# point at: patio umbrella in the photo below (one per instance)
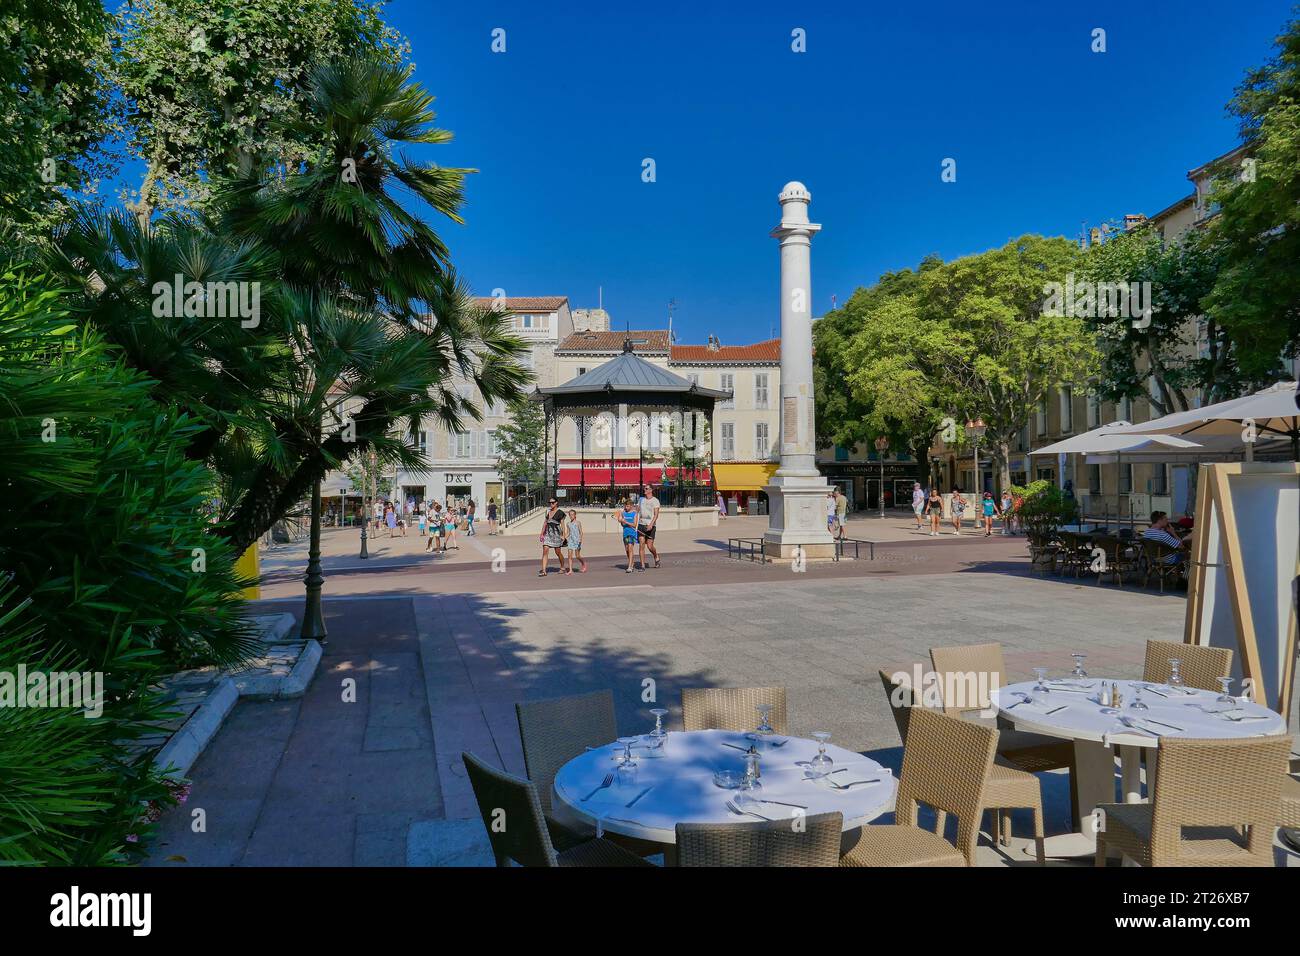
(1272, 410)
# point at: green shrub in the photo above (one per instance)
(1044, 506)
(102, 515)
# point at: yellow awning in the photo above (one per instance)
(744, 476)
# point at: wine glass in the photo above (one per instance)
(659, 713)
(1175, 674)
(627, 761)
(1078, 665)
(1225, 698)
(1041, 686)
(1136, 703)
(821, 764)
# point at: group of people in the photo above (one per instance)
(929, 506)
(562, 533)
(1171, 534)
(443, 524)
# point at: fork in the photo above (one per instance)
(609, 778)
(731, 805)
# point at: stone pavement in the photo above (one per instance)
(377, 779)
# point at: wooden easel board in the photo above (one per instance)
(1245, 558)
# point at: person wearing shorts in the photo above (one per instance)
(990, 509)
(627, 518)
(574, 543)
(830, 512)
(649, 517)
(918, 503)
(958, 510)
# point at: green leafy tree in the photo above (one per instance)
(220, 90)
(55, 115)
(1256, 293)
(1162, 347)
(521, 444)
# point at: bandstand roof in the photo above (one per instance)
(625, 379)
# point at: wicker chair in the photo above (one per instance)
(731, 708)
(1120, 557)
(1008, 787)
(946, 765)
(1030, 752)
(1290, 803)
(1075, 553)
(1202, 666)
(1043, 546)
(1154, 555)
(777, 843)
(512, 814)
(1220, 785)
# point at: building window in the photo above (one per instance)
(493, 446)
(693, 378)
(1125, 479)
(1067, 410)
(1040, 418)
(1124, 408)
(1094, 479)
(728, 430)
(760, 390)
(1094, 410)
(418, 440)
(461, 445)
(1160, 479)
(762, 444)
(841, 453)
(528, 359)
(582, 370)
(533, 322)
(727, 382)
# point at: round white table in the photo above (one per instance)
(678, 786)
(1070, 710)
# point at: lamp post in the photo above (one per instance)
(975, 431)
(882, 446)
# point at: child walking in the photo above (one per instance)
(627, 518)
(575, 543)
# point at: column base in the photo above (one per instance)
(797, 518)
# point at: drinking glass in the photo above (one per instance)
(1136, 703)
(1041, 674)
(745, 797)
(764, 714)
(1225, 697)
(1175, 674)
(821, 764)
(1078, 665)
(660, 713)
(627, 761)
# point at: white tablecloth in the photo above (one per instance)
(1083, 718)
(682, 788)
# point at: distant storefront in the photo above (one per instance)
(861, 482)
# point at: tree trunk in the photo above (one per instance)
(1002, 455)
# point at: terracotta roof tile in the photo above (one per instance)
(643, 340)
(526, 303)
(769, 351)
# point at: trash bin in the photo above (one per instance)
(733, 506)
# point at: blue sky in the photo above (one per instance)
(1046, 135)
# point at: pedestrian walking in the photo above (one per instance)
(841, 509)
(552, 536)
(627, 518)
(990, 509)
(830, 512)
(390, 519)
(449, 528)
(469, 518)
(574, 539)
(722, 506)
(918, 503)
(649, 514)
(934, 508)
(492, 516)
(435, 530)
(1007, 511)
(958, 505)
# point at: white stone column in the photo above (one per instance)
(797, 495)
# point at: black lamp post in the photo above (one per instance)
(882, 446)
(313, 623)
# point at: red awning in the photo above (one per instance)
(625, 473)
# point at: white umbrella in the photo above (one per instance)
(1109, 439)
(1272, 411)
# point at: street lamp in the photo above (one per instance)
(975, 431)
(882, 446)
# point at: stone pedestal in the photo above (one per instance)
(797, 494)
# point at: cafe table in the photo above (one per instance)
(1070, 709)
(675, 784)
